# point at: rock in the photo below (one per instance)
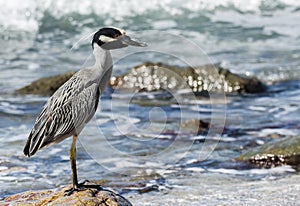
(57, 197)
(160, 77)
(46, 86)
(200, 126)
(275, 153)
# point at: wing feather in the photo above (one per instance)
(70, 107)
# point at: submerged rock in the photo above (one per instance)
(156, 76)
(57, 197)
(46, 86)
(275, 153)
(200, 126)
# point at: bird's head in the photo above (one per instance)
(113, 38)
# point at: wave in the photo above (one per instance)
(30, 14)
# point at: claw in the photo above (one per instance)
(82, 187)
(70, 191)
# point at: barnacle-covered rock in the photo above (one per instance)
(151, 77)
(275, 153)
(157, 76)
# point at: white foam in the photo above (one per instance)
(216, 138)
(19, 16)
(164, 24)
(195, 169)
(280, 131)
(257, 108)
(272, 171)
(3, 168)
(9, 108)
(26, 16)
(7, 178)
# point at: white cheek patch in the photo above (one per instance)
(106, 39)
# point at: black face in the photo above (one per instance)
(108, 32)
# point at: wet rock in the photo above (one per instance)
(143, 183)
(151, 77)
(46, 86)
(275, 153)
(200, 126)
(160, 77)
(57, 197)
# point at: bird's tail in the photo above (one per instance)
(34, 142)
(27, 148)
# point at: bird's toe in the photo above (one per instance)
(81, 187)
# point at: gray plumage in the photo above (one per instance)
(72, 106)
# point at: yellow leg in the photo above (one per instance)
(73, 162)
(76, 186)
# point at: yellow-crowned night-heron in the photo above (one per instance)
(70, 108)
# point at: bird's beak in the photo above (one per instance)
(128, 41)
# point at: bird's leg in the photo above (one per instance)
(73, 167)
(76, 186)
(73, 162)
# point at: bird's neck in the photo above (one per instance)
(103, 58)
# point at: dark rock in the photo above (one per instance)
(46, 86)
(142, 183)
(275, 153)
(57, 197)
(200, 126)
(160, 77)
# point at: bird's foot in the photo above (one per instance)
(81, 187)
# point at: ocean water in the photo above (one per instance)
(134, 146)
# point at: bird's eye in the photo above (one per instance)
(116, 35)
